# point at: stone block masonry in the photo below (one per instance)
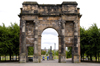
(35, 18)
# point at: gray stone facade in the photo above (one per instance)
(64, 18)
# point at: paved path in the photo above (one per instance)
(56, 61)
(50, 63)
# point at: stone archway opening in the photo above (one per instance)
(64, 18)
(68, 54)
(49, 37)
(30, 53)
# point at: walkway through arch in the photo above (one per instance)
(50, 38)
(64, 18)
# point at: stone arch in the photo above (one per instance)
(54, 33)
(52, 28)
(49, 16)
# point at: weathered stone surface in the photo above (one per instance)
(30, 28)
(64, 18)
(27, 17)
(69, 41)
(22, 58)
(29, 40)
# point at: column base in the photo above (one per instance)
(36, 59)
(62, 59)
(22, 58)
(76, 59)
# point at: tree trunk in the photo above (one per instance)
(0, 57)
(90, 57)
(83, 57)
(5, 57)
(10, 57)
(95, 57)
(87, 58)
(98, 56)
(16, 57)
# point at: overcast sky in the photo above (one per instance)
(90, 10)
(49, 38)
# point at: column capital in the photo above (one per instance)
(75, 21)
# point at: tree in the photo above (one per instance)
(69, 52)
(95, 34)
(83, 35)
(43, 52)
(30, 50)
(9, 40)
(13, 38)
(90, 42)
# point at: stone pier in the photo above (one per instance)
(35, 18)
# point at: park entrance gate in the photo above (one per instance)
(64, 18)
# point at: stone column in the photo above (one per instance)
(39, 48)
(75, 48)
(22, 50)
(35, 56)
(59, 49)
(62, 55)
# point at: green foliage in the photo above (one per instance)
(30, 50)
(56, 53)
(43, 52)
(90, 41)
(69, 52)
(9, 40)
(47, 53)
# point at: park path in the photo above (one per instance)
(56, 61)
(50, 63)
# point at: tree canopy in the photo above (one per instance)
(90, 42)
(9, 40)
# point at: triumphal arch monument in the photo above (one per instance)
(64, 18)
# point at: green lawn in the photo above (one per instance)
(8, 57)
